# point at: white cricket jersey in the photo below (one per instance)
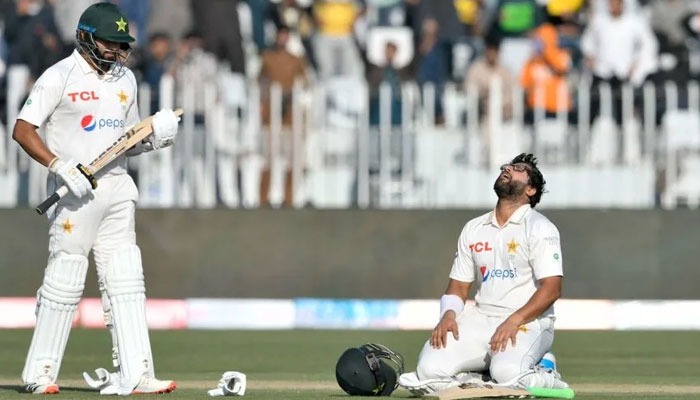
(80, 112)
(506, 262)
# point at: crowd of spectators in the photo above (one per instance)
(533, 43)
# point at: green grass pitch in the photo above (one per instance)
(299, 364)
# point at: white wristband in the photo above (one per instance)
(451, 302)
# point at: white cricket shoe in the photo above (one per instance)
(149, 385)
(108, 384)
(547, 367)
(417, 387)
(39, 388)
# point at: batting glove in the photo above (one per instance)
(164, 125)
(76, 176)
(232, 383)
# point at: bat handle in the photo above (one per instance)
(51, 200)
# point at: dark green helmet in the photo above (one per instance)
(369, 370)
(105, 21)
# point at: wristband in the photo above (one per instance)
(52, 162)
(451, 302)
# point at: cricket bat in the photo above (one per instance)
(467, 391)
(128, 140)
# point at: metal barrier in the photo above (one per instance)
(329, 145)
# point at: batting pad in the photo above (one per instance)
(126, 294)
(57, 300)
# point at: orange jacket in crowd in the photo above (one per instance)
(544, 75)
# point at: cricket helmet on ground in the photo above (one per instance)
(369, 370)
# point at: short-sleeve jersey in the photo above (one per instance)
(506, 262)
(81, 113)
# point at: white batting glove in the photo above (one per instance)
(78, 178)
(164, 125)
(232, 383)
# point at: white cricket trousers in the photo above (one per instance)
(102, 221)
(472, 351)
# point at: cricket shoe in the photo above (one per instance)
(547, 368)
(39, 388)
(149, 385)
(417, 387)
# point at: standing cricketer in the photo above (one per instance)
(513, 257)
(83, 104)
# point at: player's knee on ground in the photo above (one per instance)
(432, 364)
(505, 372)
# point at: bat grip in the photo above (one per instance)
(51, 200)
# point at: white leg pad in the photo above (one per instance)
(126, 293)
(57, 300)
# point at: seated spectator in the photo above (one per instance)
(298, 19)
(544, 77)
(481, 75)
(387, 74)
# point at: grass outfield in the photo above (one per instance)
(300, 364)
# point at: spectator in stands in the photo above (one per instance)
(218, 22)
(544, 77)
(514, 18)
(569, 18)
(389, 74)
(335, 48)
(298, 19)
(483, 73)
(155, 63)
(281, 67)
(619, 47)
(258, 14)
(193, 66)
(32, 36)
(432, 64)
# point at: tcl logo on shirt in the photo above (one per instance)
(84, 96)
(89, 123)
(497, 273)
(478, 247)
